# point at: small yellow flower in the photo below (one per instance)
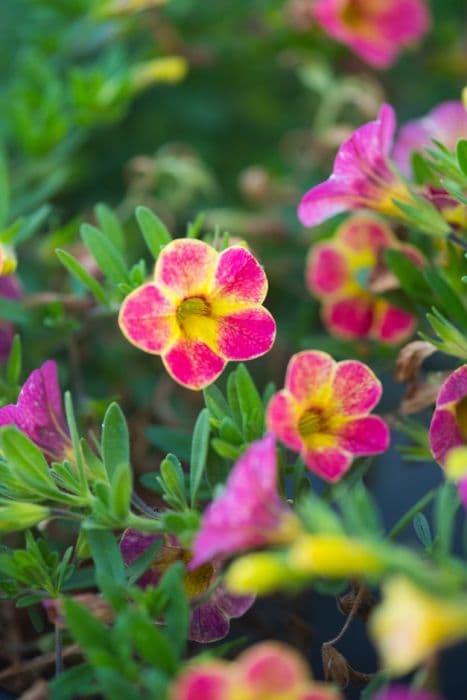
(169, 69)
(455, 466)
(410, 624)
(8, 260)
(259, 573)
(335, 556)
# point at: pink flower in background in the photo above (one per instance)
(249, 513)
(446, 123)
(202, 309)
(322, 413)
(38, 413)
(403, 692)
(361, 178)
(10, 288)
(210, 619)
(448, 426)
(265, 671)
(343, 272)
(376, 30)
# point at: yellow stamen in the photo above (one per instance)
(193, 306)
(310, 422)
(461, 416)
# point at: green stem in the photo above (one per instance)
(409, 516)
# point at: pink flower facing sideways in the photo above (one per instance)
(342, 272)
(448, 428)
(202, 309)
(210, 618)
(322, 413)
(38, 413)
(266, 671)
(249, 513)
(361, 178)
(376, 30)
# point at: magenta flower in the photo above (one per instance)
(265, 671)
(202, 309)
(448, 426)
(342, 271)
(210, 619)
(249, 513)
(38, 413)
(322, 413)
(446, 123)
(375, 30)
(10, 288)
(402, 692)
(361, 178)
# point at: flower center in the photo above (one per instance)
(310, 422)
(197, 582)
(461, 417)
(354, 14)
(193, 306)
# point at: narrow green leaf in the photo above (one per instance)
(149, 641)
(122, 486)
(422, 530)
(461, 153)
(154, 231)
(4, 188)
(251, 405)
(226, 450)
(82, 275)
(409, 275)
(26, 460)
(447, 298)
(107, 556)
(177, 613)
(105, 254)
(215, 402)
(115, 440)
(13, 367)
(111, 226)
(199, 453)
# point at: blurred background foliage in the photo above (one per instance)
(224, 108)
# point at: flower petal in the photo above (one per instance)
(193, 364)
(239, 279)
(355, 387)
(246, 334)
(349, 318)
(132, 545)
(327, 270)
(391, 324)
(330, 463)
(208, 624)
(363, 232)
(185, 268)
(272, 669)
(444, 434)
(454, 388)
(147, 319)
(324, 201)
(308, 374)
(281, 419)
(209, 681)
(364, 436)
(231, 605)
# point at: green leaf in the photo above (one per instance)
(409, 275)
(447, 298)
(115, 441)
(13, 367)
(177, 613)
(229, 432)
(82, 275)
(170, 440)
(251, 405)
(173, 478)
(422, 530)
(33, 223)
(27, 461)
(4, 188)
(121, 490)
(149, 641)
(154, 231)
(92, 636)
(111, 226)
(446, 506)
(107, 557)
(461, 153)
(63, 687)
(226, 450)
(14, 311)
(215, 402)
(232, 397)
(144, 561)
(114, 686)
(318, 516)
(105, 254)
(199, 453)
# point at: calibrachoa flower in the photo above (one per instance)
(456, 470)
(376, 30)
(210, 619)
(249, 513)
(10, 288)
(448, 426)
(266, 671)
(361, 178)
(38, 413)
(202, 309)
(323, 412)
(341, 273)
(402, 692)
(446, 123)
(411, 624)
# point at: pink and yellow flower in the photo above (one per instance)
(448, 426)
(38, 413)
(342, 272)
(362, 177)
(446, 123)
(376, 30)
(266, 671)
(210, 618)
(202, 309)
(249, 513)
(323, 413)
